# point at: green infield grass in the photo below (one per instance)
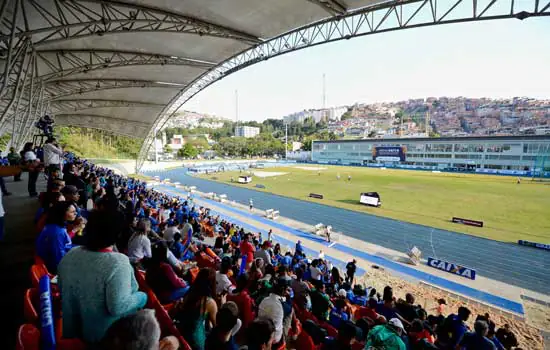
(510, 211)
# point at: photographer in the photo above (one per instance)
(52, 155)
(33, 165)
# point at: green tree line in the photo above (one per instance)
(93, 143)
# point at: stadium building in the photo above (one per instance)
(501, 154)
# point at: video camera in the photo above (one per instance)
(45, 124)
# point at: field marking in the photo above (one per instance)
(332, 244)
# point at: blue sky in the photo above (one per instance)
(502, 58)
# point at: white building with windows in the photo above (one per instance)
(480, 154)
(246, 131)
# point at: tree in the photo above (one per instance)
(372, 134)
(306, 145)
(199, 143)
(346, 116)
(167, 149)
(188, 151)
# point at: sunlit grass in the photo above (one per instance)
(510, 211)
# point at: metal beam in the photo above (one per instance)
(62, 63)
(14, 93)
(10, 46)
(77, 19)
(334, 7)
(381, 18)
(60, 89)
(76, 105)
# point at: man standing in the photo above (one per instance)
(251, 204)
(351, 267)
(14, 158)
(52, 155)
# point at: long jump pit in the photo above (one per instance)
(264, 174)
(310, 168)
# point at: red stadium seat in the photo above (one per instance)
(331, 331)
(28, 338)
(305, 342)
(71, 344)
(304, 315)
(144, 287)
(38, 260)
(29, 309)
(140, 278)
(211, 254)
(203, 260)
(167, 326)
(37, 272)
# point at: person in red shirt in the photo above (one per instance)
(247, 249)
(368, 311)
(418, 333)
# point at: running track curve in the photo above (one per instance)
(521, 266)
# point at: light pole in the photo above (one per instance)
(286, 141)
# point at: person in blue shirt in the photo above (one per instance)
(299, 250)
(179, 214)
(186, 208)
(286, 260)
(477, 340)
(172, 219)
(492, 337)
(453, 329)
(177, 247)
(338, 314)
(154, 222)
(54, 242)
(236, 239)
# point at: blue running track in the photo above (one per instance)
(521, 266)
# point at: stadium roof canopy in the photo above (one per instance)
(127, 66)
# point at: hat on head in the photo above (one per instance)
(342, 293)
(69, 190)
(395, 322)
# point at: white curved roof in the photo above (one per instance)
(127, 66)
(115, 65)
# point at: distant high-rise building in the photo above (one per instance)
(246, 131)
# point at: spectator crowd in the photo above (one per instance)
(138, 269)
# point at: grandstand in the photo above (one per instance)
(214, 244)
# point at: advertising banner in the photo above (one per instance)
(534, 244)
(389, 154)
(452, 268)
(468, 222)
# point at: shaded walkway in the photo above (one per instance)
(16, 256)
